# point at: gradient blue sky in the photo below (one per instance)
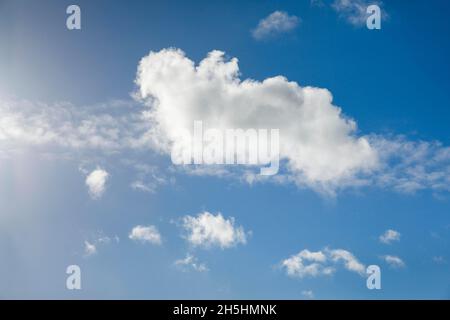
(393, 81)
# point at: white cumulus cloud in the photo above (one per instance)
(316, 263)
(389, 236)
(317, 142)
(394, 261)
(209, 230)
(96, 183)
(276, 23)
(145, 234)
(351, 263)
(307, 263)
(320, 147)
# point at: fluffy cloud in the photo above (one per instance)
(317, 142)
(349, 260)
(394, 261)
(307, 263)
(208, 230)
(146, 234)
(276, 23)
(320, 148)
(96, 183)
(312, 264)
(355, 11)
(389, 236)
(191, 262)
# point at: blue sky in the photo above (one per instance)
(392, 82)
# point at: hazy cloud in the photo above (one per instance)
(276, 23)
(394, 261)
(191, 263)
(389, 236)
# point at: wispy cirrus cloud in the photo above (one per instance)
(190, 262)
(411, 166)
(353, 12)
(97, 240)
(149, 177)
(105, 127)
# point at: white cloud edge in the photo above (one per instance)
(276, 23)
(146, 234)
(404, 166)
(320, 263)
(96, 182)
(394, 261)
(389, 236)
(190, 262)
(207, 230)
